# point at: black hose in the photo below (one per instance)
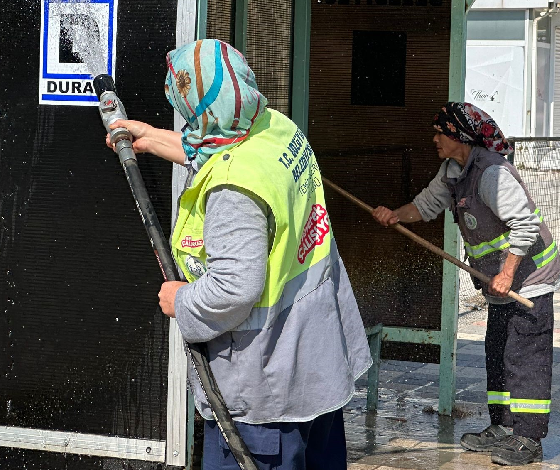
(197, 351)
(111, 110)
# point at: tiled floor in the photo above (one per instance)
(407, 433)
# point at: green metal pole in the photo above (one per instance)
(300, 68)
(201, 18)
(240, 37)
(201, 21)
(449, 309)
(374, 340)
(450, 287)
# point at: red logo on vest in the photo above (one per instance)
(314, 232)
(189, 242)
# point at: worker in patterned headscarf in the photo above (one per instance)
(267, 290)
(506, 239)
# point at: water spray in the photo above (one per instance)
(111, 110)
(426, 244)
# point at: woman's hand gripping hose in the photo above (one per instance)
(111, 111)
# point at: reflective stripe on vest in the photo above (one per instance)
(538, 212)
(294, 290)
(518, 405)
(485, 248)
(502, 242)
(546, 256)
(498, 398)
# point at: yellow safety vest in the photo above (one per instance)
(277, 164)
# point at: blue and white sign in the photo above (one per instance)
(78, 42)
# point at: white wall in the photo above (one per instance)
(509, 78)
(494, 82)
(480, 4)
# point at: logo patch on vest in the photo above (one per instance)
(195, 267)
(190, 243)
(314, 232)
(470, 221)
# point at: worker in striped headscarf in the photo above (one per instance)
(214, 89)
(267, 291)
(506, 239)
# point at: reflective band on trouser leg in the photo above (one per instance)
(498, 398)
(485, 248)
(546, 256)
(518, 405)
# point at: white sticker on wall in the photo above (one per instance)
(77, 43)
(494, 83)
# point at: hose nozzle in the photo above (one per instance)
(103, 83)
(111, 109)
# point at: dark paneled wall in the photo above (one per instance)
(220, 23)
(382, 154)
(83, 346)
(269, 50)
(268, 47)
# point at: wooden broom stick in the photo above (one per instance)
(426, 244)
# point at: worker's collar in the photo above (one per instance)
(455, 173)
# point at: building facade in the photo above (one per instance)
(511, 66)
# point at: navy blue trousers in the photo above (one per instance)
(519, 362)
(314, 445)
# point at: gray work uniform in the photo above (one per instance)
(502, 205)
(305, 363)
(497, 216)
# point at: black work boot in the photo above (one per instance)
(485, 440)
(517, 450)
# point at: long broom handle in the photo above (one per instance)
(426, 244)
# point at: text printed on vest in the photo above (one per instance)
(189, 242)
(316, 227)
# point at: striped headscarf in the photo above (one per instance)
(470, 125)
(211, 85)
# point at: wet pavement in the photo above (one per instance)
(406, 432)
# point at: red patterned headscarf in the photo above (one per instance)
(470, 125)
